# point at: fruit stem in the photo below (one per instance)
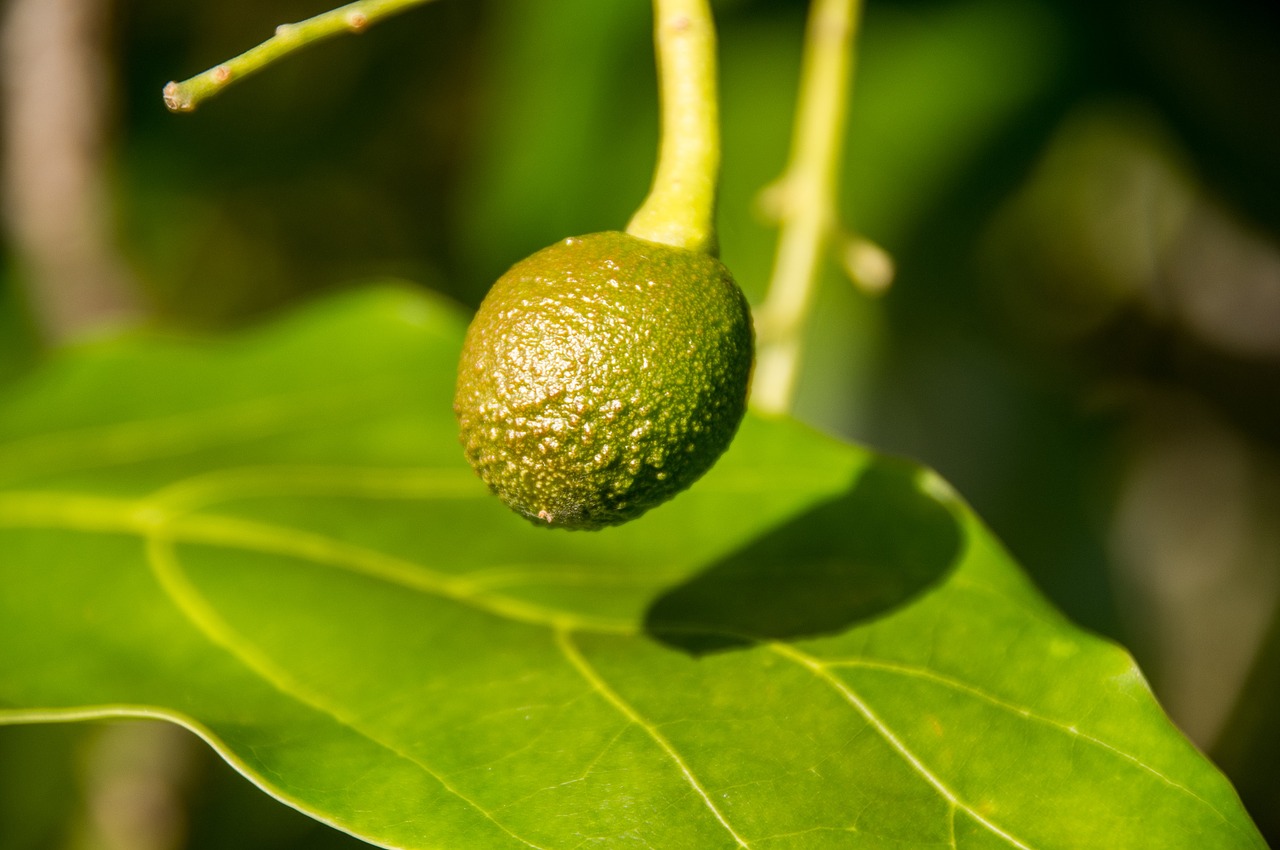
(806, 198)
(353, 17)
(680, 207)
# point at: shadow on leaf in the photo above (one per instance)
(845, 561)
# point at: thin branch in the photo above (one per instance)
(680, 207)
(805, 198)
(353, 17)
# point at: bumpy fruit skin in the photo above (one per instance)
(601, 376)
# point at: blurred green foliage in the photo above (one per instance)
(1013, 354)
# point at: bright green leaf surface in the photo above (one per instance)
(274, 541)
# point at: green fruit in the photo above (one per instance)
(601, 376)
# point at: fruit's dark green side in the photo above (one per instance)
(601, 376)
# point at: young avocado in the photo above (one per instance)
(601, 376)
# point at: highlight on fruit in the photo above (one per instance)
(601, 376)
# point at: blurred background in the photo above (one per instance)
(1082, 198)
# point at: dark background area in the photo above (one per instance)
(1082, 200)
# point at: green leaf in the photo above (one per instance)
(273, 541)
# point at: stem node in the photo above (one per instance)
(804, 203)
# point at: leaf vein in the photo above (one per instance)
(104, 515)
(592, 676)
(132, 441)
(168, 573)
(1022, 711)
(822, 671)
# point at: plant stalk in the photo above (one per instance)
(353, 17)
(806, 196)
(680, 207)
